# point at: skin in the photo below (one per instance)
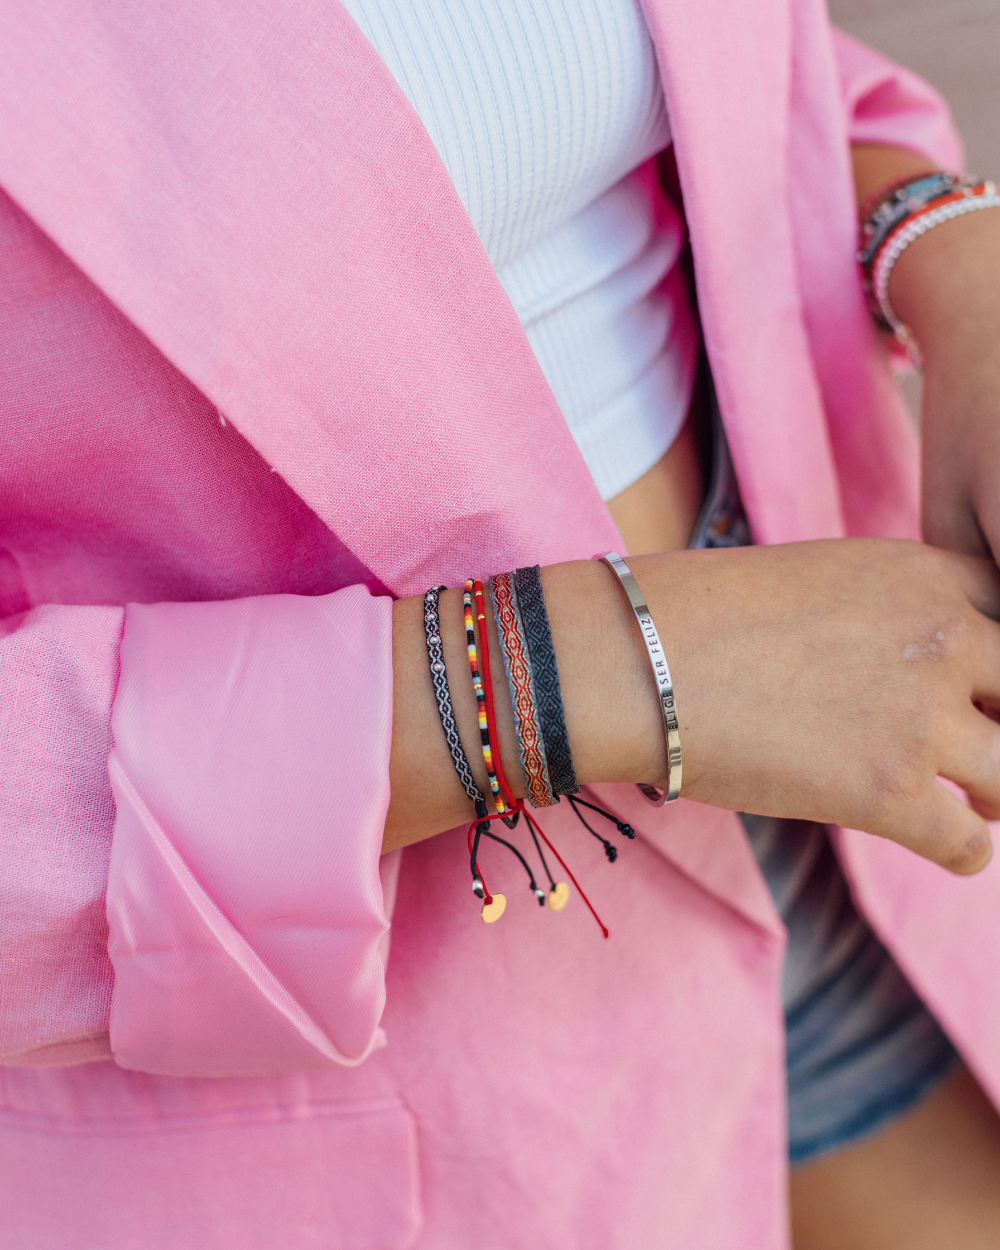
(931, 1179)
(925, 1182)
(831, 681)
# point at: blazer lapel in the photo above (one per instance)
(247, 182)
(726, 71)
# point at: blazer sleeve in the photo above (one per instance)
(888, 104)
(236, 848)
(58, 669)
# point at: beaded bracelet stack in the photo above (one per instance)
(896, 217)
(544, 753)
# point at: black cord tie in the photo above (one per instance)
(541, 856)
(609, 847)
(558, 891)
(624, 829)
(539, 894)
(481, 828)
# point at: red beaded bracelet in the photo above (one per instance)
(477, 685)
(487, 682)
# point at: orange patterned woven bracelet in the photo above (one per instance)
(530, 744)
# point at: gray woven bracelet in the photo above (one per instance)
(442, 696)
(548, 695)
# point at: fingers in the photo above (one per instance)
(982, 659)
(939, 826)
(972, 761)
(933, 821)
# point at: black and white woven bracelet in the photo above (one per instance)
(548, 695)
(442, 696)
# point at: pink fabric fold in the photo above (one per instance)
(250, 773)
(888, 104)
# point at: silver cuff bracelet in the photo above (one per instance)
(661, 674)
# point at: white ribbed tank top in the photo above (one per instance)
(546, 114)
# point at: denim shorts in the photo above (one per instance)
(861, 1048)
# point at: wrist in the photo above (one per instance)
(613, 721)
(946, 288)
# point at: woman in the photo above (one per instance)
(262, 378)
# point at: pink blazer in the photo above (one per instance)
(251, 351)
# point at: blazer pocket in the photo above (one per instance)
(341, 1176)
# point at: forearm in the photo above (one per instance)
(946, 287)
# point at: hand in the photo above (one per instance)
(946, 286)
(835, 681)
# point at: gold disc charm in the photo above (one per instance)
(493, 911)
(559, 896)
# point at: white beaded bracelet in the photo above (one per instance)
(984, 196)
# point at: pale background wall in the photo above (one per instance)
(954, 44)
